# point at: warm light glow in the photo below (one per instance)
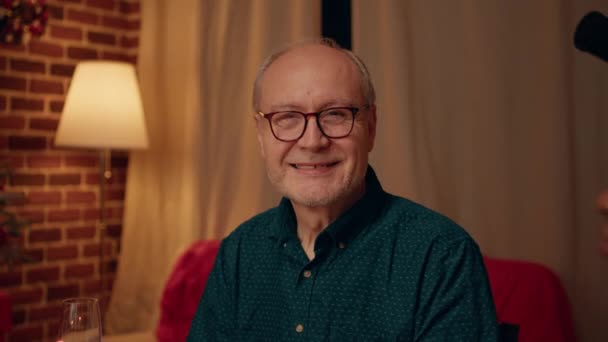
(103, 108)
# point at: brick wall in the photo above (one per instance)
(61, 185)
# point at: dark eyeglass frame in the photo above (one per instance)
(353, 110)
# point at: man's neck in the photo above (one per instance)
(313, 220)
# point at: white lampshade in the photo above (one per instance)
(103, 108)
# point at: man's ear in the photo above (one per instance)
(259, 131)
(371, 126)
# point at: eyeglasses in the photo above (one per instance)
(336, 122)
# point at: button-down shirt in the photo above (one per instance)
(388, 269)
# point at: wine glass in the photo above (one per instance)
(81, 321)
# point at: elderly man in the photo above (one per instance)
(338, 259)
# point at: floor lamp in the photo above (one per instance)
(103, 111)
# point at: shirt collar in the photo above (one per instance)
(347, 226)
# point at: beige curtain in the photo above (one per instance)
(237, 35)
(487, 113)
(201, 175)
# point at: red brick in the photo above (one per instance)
(3, 141)
(44, 197)
(26, 295)
(63, 69)
(28, 179)
(114, 231)
(115, 195)
(15, 161)
(26, 143)
(12, 122)
(92, 287)
(82, 53)
(44, 124)
(2, 63)
(82, 16)
(116, 214)
(46, 87)
(42, 274)
(62, 292)
(56, 106)
(29, 104)
(115, 22)
(91, 250)
(63, 215)
(12, 47)
(81, 197)
(115, 56)
(81, 233)
(13, 83)
(2, 102)
(47, 49)
(64, 179)
(55, 12)
(62, 253)
(129, 42)
(93, 213)
(134, 25)
(103, 4)
(101, 38)
(41, 161)
(43, 313)
(65, 32)
(81, 161)
(129, 7)
(79, 271)
(28, 65)
(27, 333)
(92, 178)
(15, 198)
(34, 216)
(72, 1)
(13, 278)
(44, 235)
(35, 254)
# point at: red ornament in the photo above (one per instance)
(22, 16)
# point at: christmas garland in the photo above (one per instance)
(19, 19)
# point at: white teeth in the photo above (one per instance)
(310, 167)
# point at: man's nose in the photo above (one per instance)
(313, 137)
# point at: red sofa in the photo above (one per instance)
(528, 297)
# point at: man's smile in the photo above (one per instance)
(312, 166)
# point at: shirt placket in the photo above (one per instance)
(306, 272)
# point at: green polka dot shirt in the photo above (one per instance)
(388, 269)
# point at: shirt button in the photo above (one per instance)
(284, 244)
(341, 245)
(307, 274)
(299, 328)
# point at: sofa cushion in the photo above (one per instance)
(184, 289)
(530, 296)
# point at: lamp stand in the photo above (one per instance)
(105, 174)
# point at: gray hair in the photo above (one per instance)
(367, 87)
